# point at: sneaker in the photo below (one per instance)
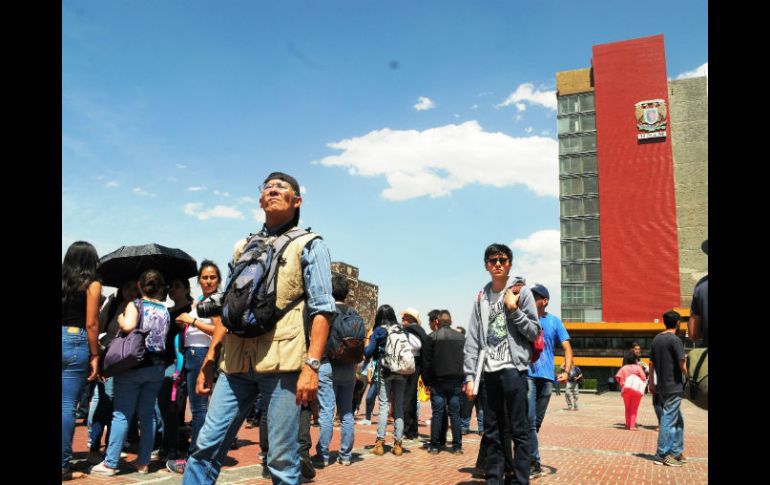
(379, 447)
(535, 470)
(342, 461)
(306, 467)
(671, 461)
(364, 422)
(319, 461)
(102, 469)
(433, 451)
(176, 466)
(123, 454)
(681, 458)
(155, 455)
(457, 451)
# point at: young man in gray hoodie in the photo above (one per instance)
(501, 330)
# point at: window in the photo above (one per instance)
(571, 186)
(591, 227)
(589, 163)
(587, 122)
(586, 101)
(592, 249)
(590, 185)
(590, 206)
(588, 143)
(569, 144)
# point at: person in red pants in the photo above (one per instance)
(632, 380)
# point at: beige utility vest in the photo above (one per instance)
(282, 349)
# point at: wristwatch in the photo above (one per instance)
(314, 364)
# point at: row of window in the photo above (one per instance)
(582, 295)
(579, 228)
(574, 272)
(577, 143)
(576, 123)
(577, 164)
(580, 207)
(581, 314)
(576, 103)
(579, 186)
(619, 343)
(572, 250)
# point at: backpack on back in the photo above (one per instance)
(398, 352)
(346, 337)
(248, 308)
(155, 319)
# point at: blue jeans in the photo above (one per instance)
(74, 372)
(371, 395)
(393, 386)
(671, 429)
(136, 391)
(193, 359)
(506, 395)
(538, 395)
(101, 404)
(231, 402)
(331, 391)
(445, 393)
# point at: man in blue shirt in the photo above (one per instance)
(541, 373)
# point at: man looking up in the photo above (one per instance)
(541, 378)
(279, 364)
(501, 330)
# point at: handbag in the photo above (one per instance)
(126, 351)
(634, 383)
(696, 388)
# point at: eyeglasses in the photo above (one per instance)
(276, 186)
(494, 261)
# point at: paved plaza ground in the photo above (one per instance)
(589, 446)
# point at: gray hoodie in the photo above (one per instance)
(523, 327)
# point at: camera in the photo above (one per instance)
(211, 306)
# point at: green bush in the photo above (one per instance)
(589, 383)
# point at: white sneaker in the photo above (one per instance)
(364, 422)
(102, 469)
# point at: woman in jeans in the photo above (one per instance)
(80, 299)
(137, 389)
(101, 402)
(197, 337)
(390, 384)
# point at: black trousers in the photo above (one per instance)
(305, 442)
(410, 402)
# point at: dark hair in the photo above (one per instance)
(385, 316)
(151, 284)
(671, 319)
(433, 315)
(186, 283)
(294, 187)
(205, 264)
(340, 287)
(113, 304)
(629, 357)
(78, 270)
(497, 248)
(634, 344)
(445, 318)
(461, 330)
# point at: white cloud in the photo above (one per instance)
(259, 215)
(439, 160)
(521, 107)
(220, 211)
(475, 106)
(180, 166)
(527, 92)
(248, 200)
(223, 194)
(141, 192)
(702, 70)
(424, 104)
(196, 188)
(111, 184)
(538, 259)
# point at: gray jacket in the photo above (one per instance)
(523, 328)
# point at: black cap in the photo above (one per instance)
(541, 290)
(286, 178)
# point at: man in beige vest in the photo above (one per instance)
(280, 364)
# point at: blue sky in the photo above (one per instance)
(420, 132)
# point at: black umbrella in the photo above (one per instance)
(128, 262)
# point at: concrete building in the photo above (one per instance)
(362, 296)
(633, 157)
(633, 174)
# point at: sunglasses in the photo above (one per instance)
(494, 261)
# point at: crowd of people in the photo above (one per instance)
(305, 361)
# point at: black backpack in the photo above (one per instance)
(346, 337)
(248, 309)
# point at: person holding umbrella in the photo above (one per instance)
(197, 337)
(137, 389)
(80, 295)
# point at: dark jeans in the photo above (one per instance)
(481, 399)
(658, 405)
(506, 396)
(168, 413)
(445, 393)
(410, 402)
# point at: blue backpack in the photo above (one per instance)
(248, 308)
(346, 337)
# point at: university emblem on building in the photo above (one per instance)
(651, 119)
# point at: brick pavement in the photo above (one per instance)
(588, 446)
